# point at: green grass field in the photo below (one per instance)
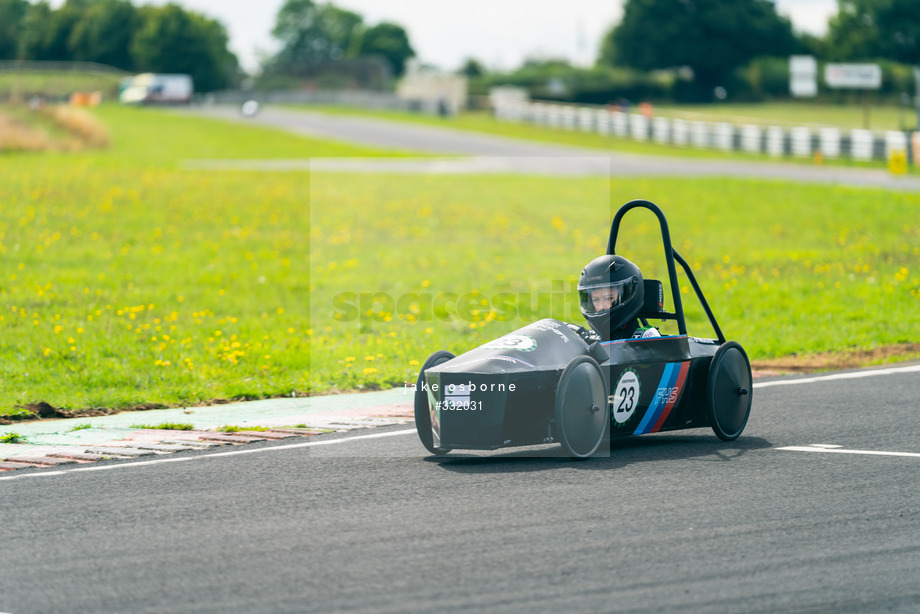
(127, 280)
(788, 269)
(57, 83)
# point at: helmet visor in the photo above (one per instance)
(603, 298)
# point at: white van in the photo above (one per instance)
(152, 88)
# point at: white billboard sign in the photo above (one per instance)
(855, 76)
(803, 76)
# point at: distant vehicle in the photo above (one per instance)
(149, 88)
(250, 108)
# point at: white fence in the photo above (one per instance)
(776, 141)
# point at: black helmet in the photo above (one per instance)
(611, 293)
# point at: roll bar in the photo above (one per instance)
(671, 256)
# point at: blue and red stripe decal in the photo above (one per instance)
(666, 396)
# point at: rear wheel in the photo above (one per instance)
(581, 408)
(729, 392)
(423, 407)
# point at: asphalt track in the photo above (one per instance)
(368, 522)
(498, 154)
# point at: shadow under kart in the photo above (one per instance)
(543, 383)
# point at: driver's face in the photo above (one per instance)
(604, 298)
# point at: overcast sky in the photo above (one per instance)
(499, 33)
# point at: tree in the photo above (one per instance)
(713, 37)
(46, 32)
(103, 34)
(390, 41)
(472, 68)
(311, 33)
(172, 40)
(12, 14)
(875, 29)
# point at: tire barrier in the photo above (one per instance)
(820, 143)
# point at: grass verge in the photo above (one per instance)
(50, 128)
(843, 116)
(124, 278)
(166, 426)
(127, 282)
(56, 84)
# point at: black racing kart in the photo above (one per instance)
(545, 383)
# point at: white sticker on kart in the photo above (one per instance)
(521, 343)
(625, 398)
(459, 390)
(457, 396)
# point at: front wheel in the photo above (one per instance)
(730, 391)
(581, 408)
(423, 407)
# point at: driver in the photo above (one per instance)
(611, 294)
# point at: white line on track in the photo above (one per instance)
(842, 451)
(180, 459)
(837, 376)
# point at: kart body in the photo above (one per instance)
(503, 393)
(545, 383)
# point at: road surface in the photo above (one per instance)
(366, 521)
(492, 153)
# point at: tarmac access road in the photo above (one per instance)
(815, 508)
(499, 154)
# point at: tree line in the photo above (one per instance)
(679, 49)
(700, 50)
(311, 33)
(166, 39)
(716, 37)
(171, 39)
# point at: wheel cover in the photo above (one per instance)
(730, 391)
(422, 406)
(581, 408)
